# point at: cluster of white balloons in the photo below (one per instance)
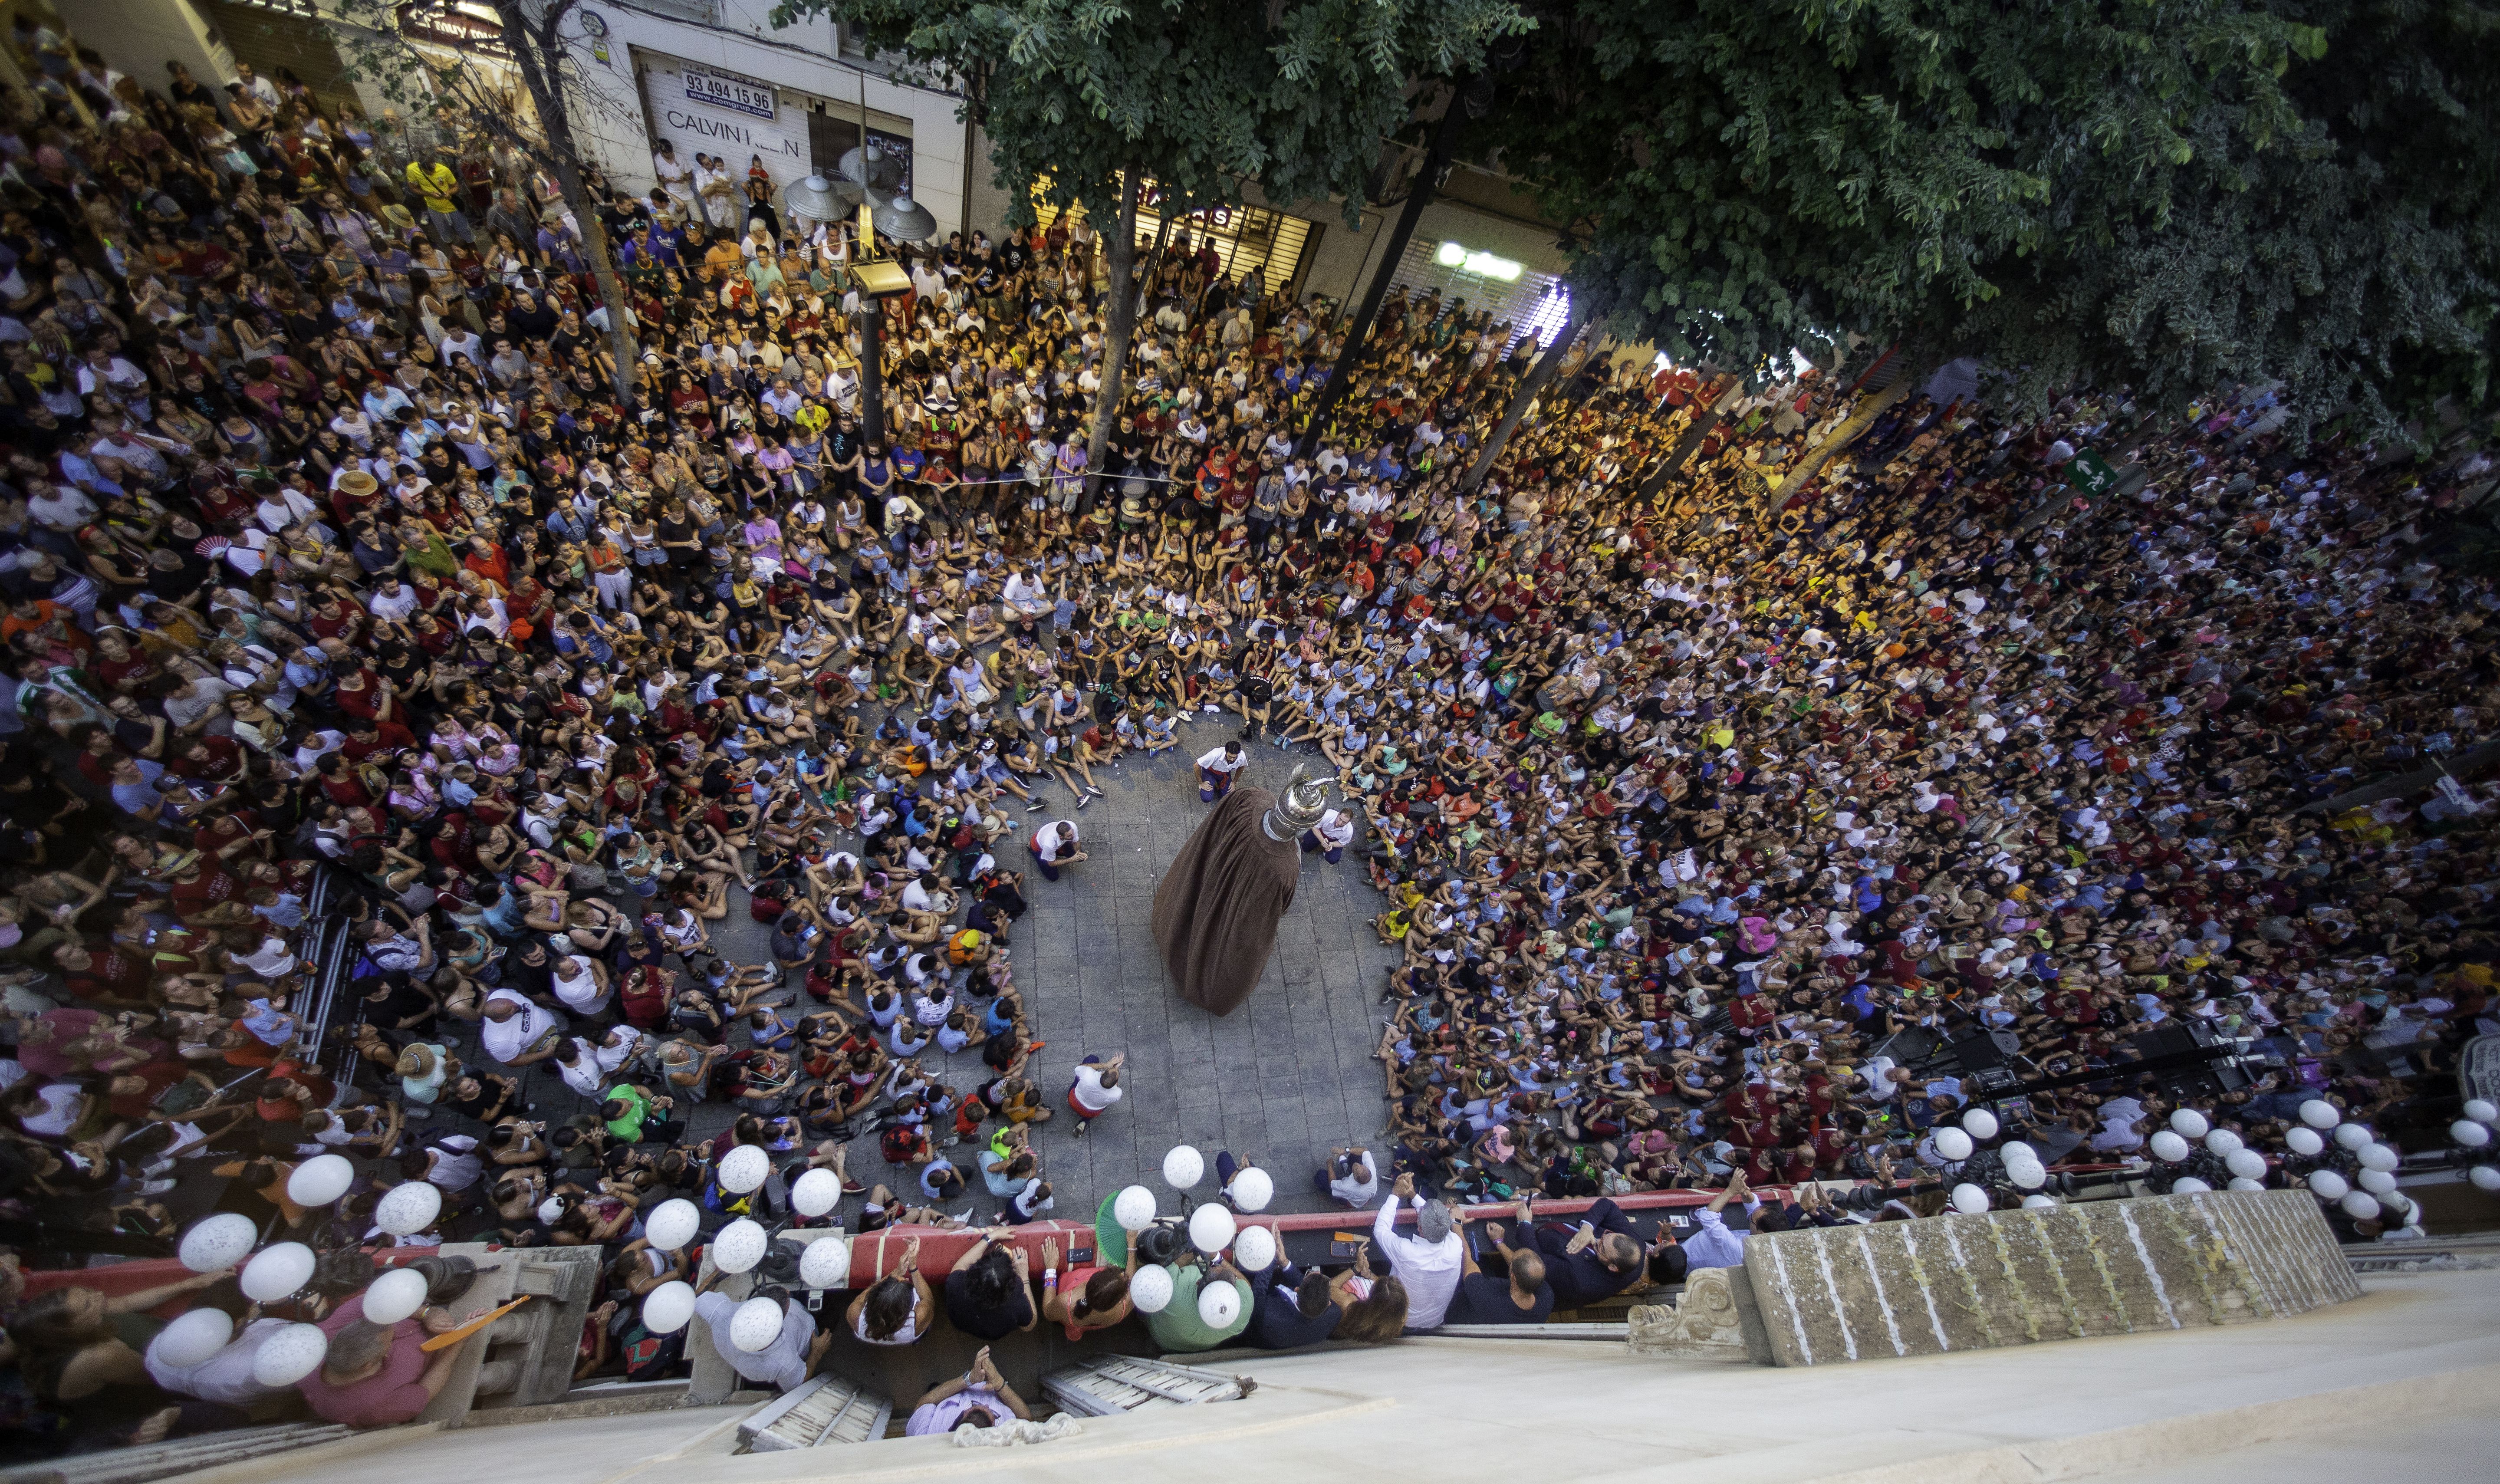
(2377, 1177)
(1212, 1228)
(2189, 1127)
(2474, 1131)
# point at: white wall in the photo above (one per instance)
(802, 65)
(140, 37)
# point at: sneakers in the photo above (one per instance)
(1038, 806)
(1082, 800)
(1082, 1126)
(1096, 792)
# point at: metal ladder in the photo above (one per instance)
(1106, 1385)
(824, 1412)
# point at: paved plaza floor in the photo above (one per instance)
(1281, 1079)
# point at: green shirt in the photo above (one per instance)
(1177, 1327)
(637, 1107)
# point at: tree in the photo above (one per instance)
(378, 49)
(1082, 100)
(2167, 197)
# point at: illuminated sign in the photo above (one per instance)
(1483, 265)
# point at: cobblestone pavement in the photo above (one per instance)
(1280, 1079)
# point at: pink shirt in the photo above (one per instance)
(385, 1399)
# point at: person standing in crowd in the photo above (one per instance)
(1428, 1263)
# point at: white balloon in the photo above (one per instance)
(320, 1179)
(395, 1295)
(673, 1224)
(2354, 1136)
(1150, 1290)
(2378, 1157)
(551, 1209)
(739, 1247)
(2224, 1143)
(2189, 1123)
(277, 1270)
(2169, 1147)
(1134, 1208)
(1979, 1123)
(2483, 1109)
(2247, 1164)
(755, 1325)
(409, 1209)
(825, 1262)
(2039, 1203)
(2029, 1175)
(2303, 1142)
(815, 1193)
(1255, 1249)
(2361, 1206)
(1184, 1167)
(218, 1242)
(744, 1168)
(667, 1307)
(2472, 1134)
(289, 1354)
(2484, 1178)
(1251, 1190)
(2327, 1185)
(2243, 1182)
(2189, 1185)
(1210, 1228)
(1219, 1305)
(2016, 1151)
(191, 1337)
(1952, 1143)
(2318, 1113)
(2377, 1182)
(1969, 1199)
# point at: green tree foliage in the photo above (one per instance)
(2165, 195)
(1200, 94)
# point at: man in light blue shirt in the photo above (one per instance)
(1713, 1246)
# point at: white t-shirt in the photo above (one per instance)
(1049, 847)
(1213, 760)
(1090, 1093)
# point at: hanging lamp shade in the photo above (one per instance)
(881, 173)
(902, 219)
(821, 198)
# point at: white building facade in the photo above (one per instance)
(714, 77)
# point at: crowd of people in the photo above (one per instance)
(335, 540)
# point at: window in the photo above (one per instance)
(1530, 302)
(1244, 237)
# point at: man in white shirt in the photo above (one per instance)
(1053, 848)
(1351, 1178)
(393, 601)
(783, 1364)
(1714, 1245)
(1215, 770)
(1428, 1263)
(1330, 836)
(1094, 1089)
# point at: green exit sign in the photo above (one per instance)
(2091, 474)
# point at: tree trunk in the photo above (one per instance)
(1419, 195)
(1530, 386)
(1121, 299)
(1856, 424)
(534, 50)
(1703, 422)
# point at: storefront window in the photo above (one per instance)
(1244, 237)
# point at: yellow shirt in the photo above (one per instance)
(439, 187)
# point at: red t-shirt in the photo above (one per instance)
(385, 1399)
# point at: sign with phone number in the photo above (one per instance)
(729, 90)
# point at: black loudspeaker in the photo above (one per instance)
(1985, 1050)
(2198, 1059)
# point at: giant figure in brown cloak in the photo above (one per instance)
(1217, 909)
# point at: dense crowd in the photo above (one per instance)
(1699, 796)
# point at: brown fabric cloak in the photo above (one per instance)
(1217, 909)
